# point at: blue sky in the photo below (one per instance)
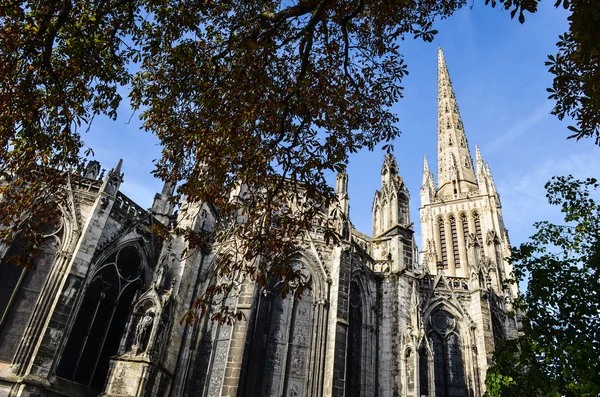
(500, 80)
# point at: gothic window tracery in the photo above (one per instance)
(101, 318)
(212, 350)
(287, 345)
(449, 371)
(20, 286)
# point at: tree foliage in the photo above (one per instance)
(560, 352)
(576, 67)
(246, 97)
(252, 101)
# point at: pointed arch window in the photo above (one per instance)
(449, 371)
(477, 222)
(454, 234)
(409, 365)
(210, 361)
(288, 345)
(465, 226)
(20, 286)
(424, 365)
(101, 318)
(442, 236)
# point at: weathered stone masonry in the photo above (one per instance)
(99, 315)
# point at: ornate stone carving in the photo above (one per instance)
(490, 237)
(471, 240)
(143, 330)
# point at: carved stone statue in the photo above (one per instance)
(143, 329)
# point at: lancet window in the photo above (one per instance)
(477, 221)
(465, 227)
(101, 318)
(454, 234)
(424, 363)
(20, 286)
(212, 350)
(288, 346)
(409, 365)
(442, 236)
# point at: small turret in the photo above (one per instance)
(162, 207)
(389, 170)
(341, 190)
(484, 175)
(428, 186)
(113, 180)
(393, 239)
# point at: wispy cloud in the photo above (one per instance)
(524, 197)
(519, 128)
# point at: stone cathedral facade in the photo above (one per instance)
(99, 312)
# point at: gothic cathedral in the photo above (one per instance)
(98, 313)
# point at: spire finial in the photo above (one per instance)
(426, 172)
(389, 168)
(478, 159)
(119, 166)
(452, 142)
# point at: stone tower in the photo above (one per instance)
(465, 241)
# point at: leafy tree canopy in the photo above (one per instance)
(559, 354)
(239, 93)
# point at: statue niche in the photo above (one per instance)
(147, 323)
(143, 330)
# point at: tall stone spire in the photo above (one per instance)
(455, 165)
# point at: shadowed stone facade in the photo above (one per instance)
(99, 313)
